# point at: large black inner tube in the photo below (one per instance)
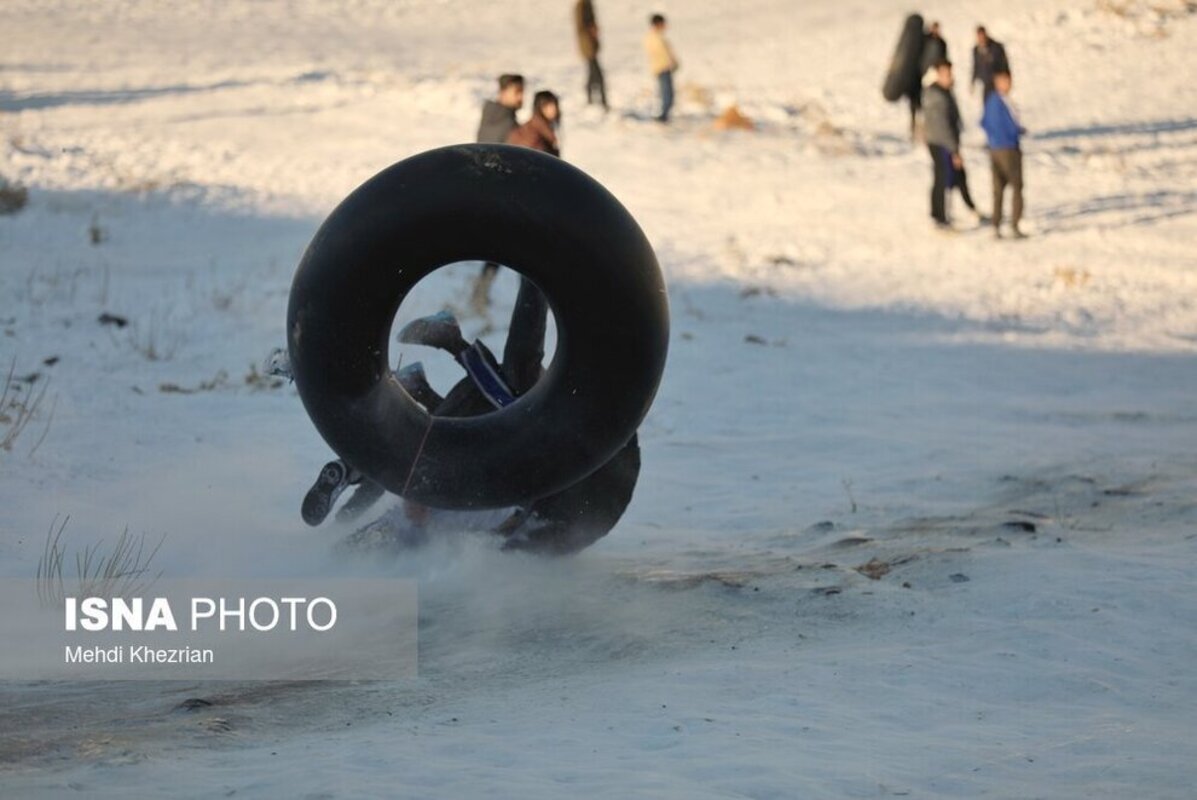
(903, 78)
(526, 210)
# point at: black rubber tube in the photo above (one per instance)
(903, 76)
(528, 211)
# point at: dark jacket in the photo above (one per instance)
(935, 49)
(987, 62)
(586, 26)
(941, 118)
(538, 134)
(498, 121)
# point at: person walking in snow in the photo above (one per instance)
(497, 123)
(935, 49)
(942, 126)
(661, 63)
(1004, 131)
(989, 58)
(540, 131)
(586, 25)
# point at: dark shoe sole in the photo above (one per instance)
(319, 500)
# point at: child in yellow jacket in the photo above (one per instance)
(661, 62)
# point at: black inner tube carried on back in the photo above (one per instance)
(526, 210)
(904, 77)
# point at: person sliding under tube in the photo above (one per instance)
(560, 523)
(564, 522)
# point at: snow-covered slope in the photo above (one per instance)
(1004, 430)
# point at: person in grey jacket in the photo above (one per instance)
(498, 116)
(942, 125)
(498, 121)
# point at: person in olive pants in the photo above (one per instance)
(1004, 132)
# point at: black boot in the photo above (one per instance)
(439, 330)
(319, 501)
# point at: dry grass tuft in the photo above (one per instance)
(123, 571)
(20, 402)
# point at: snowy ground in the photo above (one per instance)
(1005, 430)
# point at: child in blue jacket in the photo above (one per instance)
(1004, 132)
